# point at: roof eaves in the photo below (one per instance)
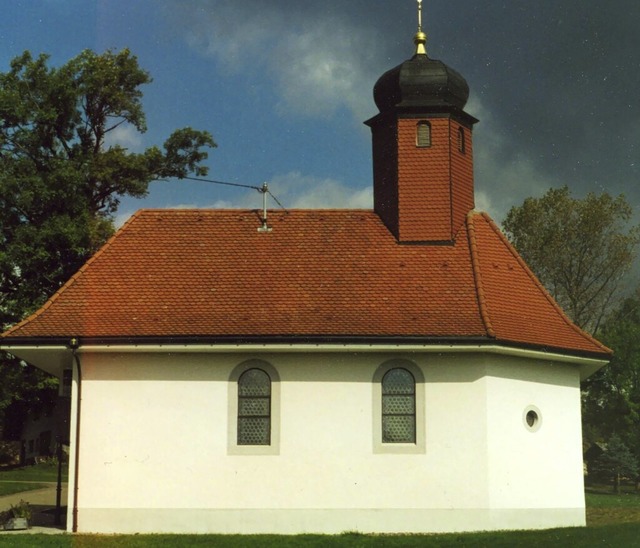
(213, 340)
(399, 341)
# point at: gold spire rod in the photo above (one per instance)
(420, 39)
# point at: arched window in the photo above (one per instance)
(462, 147)
(398, 407)
(254, 408)
(423, 134)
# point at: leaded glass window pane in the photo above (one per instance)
(398, 407)
(254, 408)
(398, 429)
(253, 431)
(394, 405)
(254, 382)
(398, 381)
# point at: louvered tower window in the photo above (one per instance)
(423, 136)
(254, 408)
(398, 407)
(462, 147)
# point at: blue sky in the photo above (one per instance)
(285, 85)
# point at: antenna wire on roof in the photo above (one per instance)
(262, 189)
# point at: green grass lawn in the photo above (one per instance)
(604, 507)
(622, 535)
(612, 521)
(12, 487)
(37, 472)
(27, 478)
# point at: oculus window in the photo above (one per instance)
(532, 418)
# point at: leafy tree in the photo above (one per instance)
(616, 462)
(611, 397)
(60, 179)
(580, 249)
(27, 391)
(61, 176)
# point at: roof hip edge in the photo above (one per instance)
(477, 276)
(71, 280)
(541, 287)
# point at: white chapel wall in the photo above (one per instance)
(539, 466)
(155, 440)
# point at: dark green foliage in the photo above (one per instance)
(23, 390)
(616, 462)
(61, 179)
(580, 249)
(611, 397)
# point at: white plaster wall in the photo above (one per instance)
(154, 446)
(541, 468)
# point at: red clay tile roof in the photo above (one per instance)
(320, 274)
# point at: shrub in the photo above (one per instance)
(9, 452)
(20, 510)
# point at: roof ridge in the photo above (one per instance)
(73, 278)
(156, 210)
(477, 277)
(540, 286)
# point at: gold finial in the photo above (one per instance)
(420, 39)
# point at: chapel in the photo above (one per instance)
(392, 370)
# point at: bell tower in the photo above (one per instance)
(422, 148)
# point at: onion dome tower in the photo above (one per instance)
(422, 148)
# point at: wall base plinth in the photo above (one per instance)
(322, 521)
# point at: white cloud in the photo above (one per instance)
(318, 76)
(295, 190)
(125, 136)
(317, 67)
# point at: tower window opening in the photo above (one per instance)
(461, 141)
(423, 136)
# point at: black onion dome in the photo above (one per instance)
(418, 83)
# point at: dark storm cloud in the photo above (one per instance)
(560, 79)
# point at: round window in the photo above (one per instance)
(532, 418)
